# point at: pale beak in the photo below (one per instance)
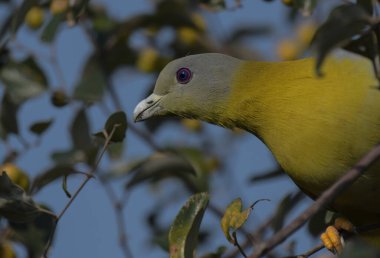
(147, 108)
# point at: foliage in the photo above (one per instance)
(28, 74)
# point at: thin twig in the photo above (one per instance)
(89, 176)
(326, 197)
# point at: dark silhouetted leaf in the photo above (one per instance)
(286, 205)
(18, 19)
(218, 254)
(117, 122)
(359, 248)
(50, 31)
(160, 166)
(49, 176)
(183, 233)
(35, 234)
(15, 205)
(344, 22)
(366, 5)
(115, 151)
(80, 131)
(92, 85)
(317, 223)
(23, 80)
(8, 115)
(279, 172)
(214, 5)
(40, 127)
(121, 169)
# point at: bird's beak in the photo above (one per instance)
(147, 108)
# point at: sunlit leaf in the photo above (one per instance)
(40, 127)
(183, 233)
(234, 218)
(23, 80)
(91, 86)
(344, 22)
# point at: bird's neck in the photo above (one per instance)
(265, 92)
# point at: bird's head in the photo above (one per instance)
(194, 86)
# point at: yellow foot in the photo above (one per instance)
(332, 239)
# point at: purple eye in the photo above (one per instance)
(184, 75)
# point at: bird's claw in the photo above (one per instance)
(332, 238)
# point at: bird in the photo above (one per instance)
(317, 127)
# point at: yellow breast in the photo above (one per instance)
(316, 128)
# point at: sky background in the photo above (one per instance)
(88, 229)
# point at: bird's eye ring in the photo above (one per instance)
(184, 75)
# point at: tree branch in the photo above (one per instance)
(326, 197)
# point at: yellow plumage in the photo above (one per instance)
(317, 128)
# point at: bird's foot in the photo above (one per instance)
(332, 238)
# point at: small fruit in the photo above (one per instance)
(147, 60)
(288, 2)
(17, 176)
(6, 250)
(34, 17)
(198, 21)
(192, 124)
(188, 35)
(59, 98)
(288, 49)
(305, 32)
(59, 6)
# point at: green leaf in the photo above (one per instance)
(18, 19)
(34, 234)
(214, 5)
(50, 31)
(234, 218)
(276, 173)
(317, 223)
(80, 131)
(160, 166)
(49, 176)
(183, 233)
(40, 127)
(15, 205)
(92, 85)
(343, 23)
(23, 80)
(117, 122)
(8, 115)
(115, 151)
(366, 5)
